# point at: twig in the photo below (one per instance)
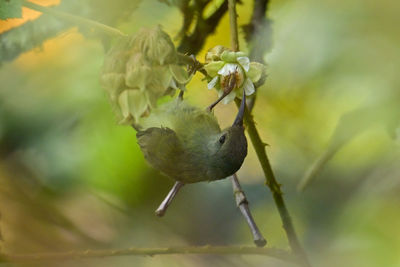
(274, 186)
(76, 19)
(192, 63)
(233, 25)
(204, 27)
(316, 167)
(233, 250)
(243, 205)
(259, 147)
(172, 193)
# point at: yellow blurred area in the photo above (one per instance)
(51, 51)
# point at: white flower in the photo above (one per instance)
(233, 63)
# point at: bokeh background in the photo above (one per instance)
(71, 178)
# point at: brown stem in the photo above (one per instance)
(233, 25)
(204, 27)
(274, 186)
(259, 147)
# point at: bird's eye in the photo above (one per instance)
(222, 139)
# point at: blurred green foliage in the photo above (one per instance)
(71, 178)
(10, 9)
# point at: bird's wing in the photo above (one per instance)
(162, 149)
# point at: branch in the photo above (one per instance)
(233, 25)
(233, 250)
(192, 63)
(259, 147)
(274, 186)
(240, 197)
(193, 43)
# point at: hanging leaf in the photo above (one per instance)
(179, 73)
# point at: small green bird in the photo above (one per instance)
(187, 144)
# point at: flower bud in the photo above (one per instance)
(156, 45)
(214, 54)
(140, 69)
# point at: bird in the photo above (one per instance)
(187, 144)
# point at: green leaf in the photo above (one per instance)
(137, 72)
(180, 75)
(228, 56)
(156, 45)
(159, 81)
(133, 103)
(33, 33)
(256, 71)
(113, 82)
(213, 67)
(10, 9)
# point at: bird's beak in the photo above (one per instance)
(239, 117)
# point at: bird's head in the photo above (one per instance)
(229, 147)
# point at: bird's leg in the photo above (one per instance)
(172, 193)
(243, 205)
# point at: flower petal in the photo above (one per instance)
(173, 85)
(256, 71)
(228, 56)
(137, 72)
(244, 62)
(113, 82)
(212, 83)
(240, 54)
(248, 87)
(229, 98)
(123, 103)
(180, 74)
(228, 69)
(137, 102)
(132, 103)
(213, 67)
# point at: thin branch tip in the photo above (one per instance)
(134, 251)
